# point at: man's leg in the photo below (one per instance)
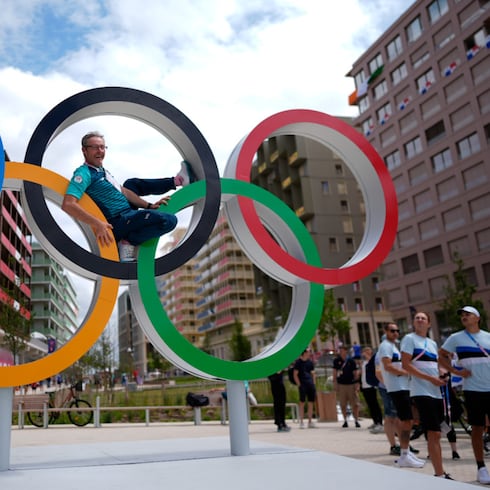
(139, 226)
(145, 187)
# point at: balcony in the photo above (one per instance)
(295, 160)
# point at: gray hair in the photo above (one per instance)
(92, 134)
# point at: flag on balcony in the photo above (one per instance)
(384, 118)
(471, 53)
(426, 87)
(450, 69)
(362, 90)
(404, 103)
(369, 130)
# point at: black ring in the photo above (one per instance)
(59, 118)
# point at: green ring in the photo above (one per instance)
(213, 367)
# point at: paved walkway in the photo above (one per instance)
(124, 455)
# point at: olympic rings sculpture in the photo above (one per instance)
(254, 214)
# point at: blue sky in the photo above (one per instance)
(227, 64)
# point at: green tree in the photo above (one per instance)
(458, 293)
(334, 322)
(240, 346)
(16, 327)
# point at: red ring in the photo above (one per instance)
(320, 275)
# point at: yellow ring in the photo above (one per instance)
(93, 326)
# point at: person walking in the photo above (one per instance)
(369, 389)
(346, 383)
(472, 347)
(305, 379)
(279, 401)
(420, 361)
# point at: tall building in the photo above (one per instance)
(318, 186)
(423, 92)
(54, 299)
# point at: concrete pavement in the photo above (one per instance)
(184, 455)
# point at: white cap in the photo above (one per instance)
(469, 309)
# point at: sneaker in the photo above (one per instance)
(284, 428)
(395, 450)
(311, 425)
(417, 432)
(301, 425)
(358, 425)
(372, 426)
(456, 455)
(127, 252)
(415, 458)
(483, 476)
(345, 425)
(377, 429)
(445, 475)
(407, 461)
(186, 175)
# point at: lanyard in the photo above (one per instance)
(476, 342)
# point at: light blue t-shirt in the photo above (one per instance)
(392, 381)
(472, 357)
(424, 357)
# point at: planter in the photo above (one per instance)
(327, 406)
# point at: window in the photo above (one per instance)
(344, 206)
(349, 244)
(375, 63)
(384, 113)
(460, 246)
(347, 225)
(356, 286)
(467, 146)
(332, 245)
(486, 272)
(364, 333)
(420, 56)
(341, 303)
(433, 256)
(455, 89)
(483, 240)
(390, 270)
(475, 176)
(414, 30)
(375, 283)
(442, 160)
(453, 218)
(447, 189)
(435, 132)
(393, 160)
(358, 304)
(325, 187)
(428, 228)
(403, 210)
(438, 286)
(422, 201)
(399, 73)
(408, 122)
(470, 274)
(410, 264)
(359, 79)
(418, 174)
(444, 36)
(413, 147)
(480, 207)
(379, 306)
(388, 136)
(395, 297)
(484, 102)
(380, 90)
(364, 104)
(415, 292)
(368, 126)
(341, 188)
(437, 9)
(425, 81)
(339, 170)
(406, 238)
(461, 117)
(399, 183)
(394, 48)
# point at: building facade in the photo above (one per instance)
(423, 92)
(319, 187)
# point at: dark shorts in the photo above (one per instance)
(388, 405)
(477, 406)
(307, 392)
(431, 412)
(403, 404)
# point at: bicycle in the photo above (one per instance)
(65, 398)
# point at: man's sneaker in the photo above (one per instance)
(456, 455)
(417, 431)
(377, 429)
(186, 175)
(358, 425)
(372, 426)
(302, 425)
(284, 428)
(407, 461)
(311, 425)
(345, 425)
(415, 458)
(395, 450)
(127, 252)
(445, 475)
(483, 476)
(413, 450)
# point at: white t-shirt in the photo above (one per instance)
(392, 381)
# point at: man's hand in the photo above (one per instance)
(163, 200)
(103, 233)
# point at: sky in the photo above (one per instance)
(226, 64)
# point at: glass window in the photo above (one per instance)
(480, 207)
(375, 63)
(414, 30)
(368, 126)
(444, 36)
(363, 330)
(475, 176)
(394, 48)
(413, 147)
(393, 160)
(428, 228)
(410, 264)
(399, 73)
(435, 132)
(442, 160)
(469, 145)
(433, 256)
(422, 201)
(425, 81)
(447, 189)
(420, 56)
(437, 9)
(384, 113)
(483, 240)
(380, 89)
(418, 174)
(453, 218)
(325, 187)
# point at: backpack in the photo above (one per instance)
(371, 371)
(291, 374)
(195, 400)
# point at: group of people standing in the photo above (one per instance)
(413, 378)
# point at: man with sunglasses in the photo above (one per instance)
(131, 220)
(395, 379)
(472, 346)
